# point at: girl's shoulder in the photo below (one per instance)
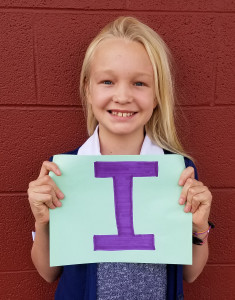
(71, 152)
(188, 162)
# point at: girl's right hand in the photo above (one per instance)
(43, 193)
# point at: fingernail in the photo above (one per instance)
(186, 209)
(181, 201)
(180, 182)
(57, 171)
(61, 195)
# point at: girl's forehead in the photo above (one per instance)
(120, 53)
(110, 44)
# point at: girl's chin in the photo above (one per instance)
(122, 130)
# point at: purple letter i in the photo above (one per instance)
(122, 174)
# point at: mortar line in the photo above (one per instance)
(79, 106)
(19, 271)
(110, 11)
(41, 107)
(221, 265)
(24, 193)
(35, 65)
(216, 64)
(13, 193)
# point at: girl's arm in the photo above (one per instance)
(40, 254)
(200, 256)
(197, 199)
(44, 194)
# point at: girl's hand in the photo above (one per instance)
(197, 199)
(43, 193)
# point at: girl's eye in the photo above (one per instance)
(139, 83)
(108, 82)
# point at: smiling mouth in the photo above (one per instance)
(121, 114)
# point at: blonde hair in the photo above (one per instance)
(161, 126)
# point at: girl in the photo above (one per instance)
(127, 90)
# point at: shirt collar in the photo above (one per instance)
(92, 146)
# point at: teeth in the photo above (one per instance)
(119, 114)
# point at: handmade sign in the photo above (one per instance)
(120, 209)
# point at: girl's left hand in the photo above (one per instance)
(196, 197)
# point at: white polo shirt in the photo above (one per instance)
(92, 146)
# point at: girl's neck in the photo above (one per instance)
(111, 144)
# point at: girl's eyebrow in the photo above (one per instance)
(107, 71)
(111, 72)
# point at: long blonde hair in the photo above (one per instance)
(161, 126)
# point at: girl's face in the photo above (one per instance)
(121, 90)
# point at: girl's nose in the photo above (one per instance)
(122, 96)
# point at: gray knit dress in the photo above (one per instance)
(131, 281)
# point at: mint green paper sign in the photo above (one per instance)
(120, 209)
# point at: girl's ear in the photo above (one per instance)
(155, 103)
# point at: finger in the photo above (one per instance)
(42, 199)
(48, 190)
(193, 197)
(48, 181)
(184, 193)
(205, 197)
(50, 201)
(44, 189)
(195, 204)
(201, 199)
(48, 166)
(55, 200)
(186, 174)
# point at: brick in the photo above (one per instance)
(82, 4)
(62, 40)
(225, 83)
(28, 137)
(208, 135)
(61, 52)
(181, 5)
(216, 282)
(17, 63)
(222, 246)
(17, 222)
(31, 136)
(191, 39)
(22, 286)
(16, 226)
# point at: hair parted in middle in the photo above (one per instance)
(161, 126)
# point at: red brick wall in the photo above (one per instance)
(42, 44)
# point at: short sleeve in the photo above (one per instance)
(189, 163)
